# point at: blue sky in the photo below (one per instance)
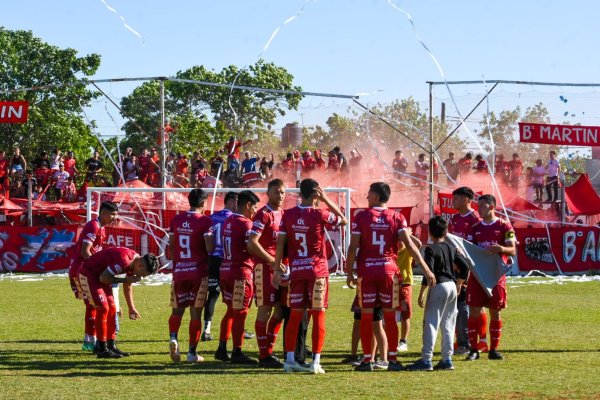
(336, 46)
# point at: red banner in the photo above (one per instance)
(13, 112)
(563, 135)
(575, 249)
(37, 249)
(445, 204)
(123, 237)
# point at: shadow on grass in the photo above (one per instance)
(49, 341)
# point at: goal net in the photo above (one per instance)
(146, 212)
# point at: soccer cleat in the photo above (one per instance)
(395, 366)
(461, 350)
(420, 365)
(482, 347)
(248, 335)
(495, 355)
(295, 367)
(174, 351)
(365, 366)
(270, 361)
(402, 347)
(444, 365)
(115, 349)
(316, 369)
(241, 358)
(351, 359)
(381, 365)
(108, 354)
(206, 337)
(88, 346)
(473, 355)
(194, 358)
(222, 355)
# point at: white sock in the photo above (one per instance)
(289, 357)
(207, 325)
(317, 358)
(88, 338)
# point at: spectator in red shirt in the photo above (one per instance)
(516, 170)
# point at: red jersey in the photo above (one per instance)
(305, 231)
(3, 168)
(93, 234)
(144, 163)
(460, 225)
(156, 160)
(115, 260)
(516, 167)
(235, 146)
(288, 164)
(237, 262)
(190, 258)
(265, 225)
(379, 230)
(309, 163)
(497, 232)
(181, 168)
(69, 164)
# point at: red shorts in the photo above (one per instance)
(266, 294)
(75, 285)
(406, 301)
(476, 296)
(379, 291)
(308, 293)
(189, 292)
(237, 293)
(95, 292)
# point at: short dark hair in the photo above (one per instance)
(438, 227)
(108, 206)
(381, 189)
(275, 183)
(488, 199)
(464, 191)
(307, 188)
(398, 152)
(230, 196)
(151, 262)
(197, 197)
(468, 156)
(245, 197)
(336, 149)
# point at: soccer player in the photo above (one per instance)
(303, 230)
(90, 241)
(190, 241)
(214, 261)
(261, 244)
(236, 278)
(376, 233)
(96, 276)
(460, 225)
(498, 237)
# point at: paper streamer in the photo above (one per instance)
(125, 24)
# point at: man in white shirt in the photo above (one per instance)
(552, 178)
(60, 179)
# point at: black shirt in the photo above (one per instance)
(440, 257)
(93, 165)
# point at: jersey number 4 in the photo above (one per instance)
(379, 241)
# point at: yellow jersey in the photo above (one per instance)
(404, 263)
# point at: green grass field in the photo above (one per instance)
(550, 342)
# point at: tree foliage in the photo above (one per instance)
(55, 115)
(204, 116)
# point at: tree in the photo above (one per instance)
(204, 116)
(55, 115)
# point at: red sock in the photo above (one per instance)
(473, 327)
(226, 324)
(318, 330)
(495, 333)
(273, 328)
(195, 329)
(90, 316)
(391, 331)
(237, 329)
(291, 330)
(366, 335)
(261, 338)
(483, 321)
(111, 321)
(100, 321)
(174, 324)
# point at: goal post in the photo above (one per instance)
(148, 207)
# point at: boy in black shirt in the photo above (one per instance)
(441, 299)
